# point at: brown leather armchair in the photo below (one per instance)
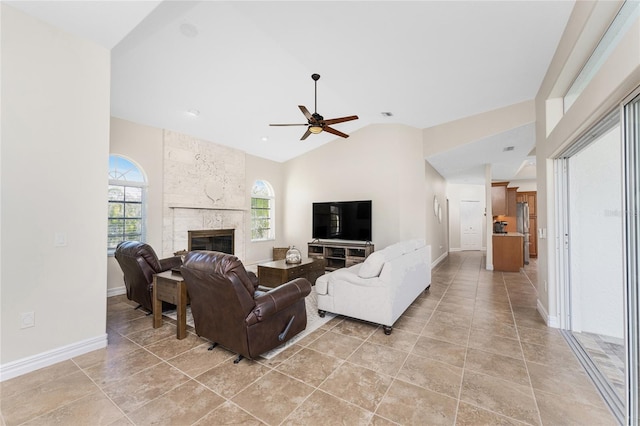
(139, 262)
(229, 310)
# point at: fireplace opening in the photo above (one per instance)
(212, 240)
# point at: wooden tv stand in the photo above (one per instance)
(338, 255)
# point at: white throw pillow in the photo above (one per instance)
(372, 265)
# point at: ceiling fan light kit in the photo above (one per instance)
(315, 122)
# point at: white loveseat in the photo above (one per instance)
(381, 288)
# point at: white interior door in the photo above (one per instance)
(470, 225)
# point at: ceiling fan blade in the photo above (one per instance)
(335, 132)
(306, 112)
(306, 135)
(340, 120)
(305, 124)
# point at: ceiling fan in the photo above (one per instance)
(315, 122)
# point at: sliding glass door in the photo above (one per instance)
(597, 193)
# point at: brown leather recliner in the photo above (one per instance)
(139, 262)
(229, 311)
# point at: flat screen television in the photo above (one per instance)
(343, 220)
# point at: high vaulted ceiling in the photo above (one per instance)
(242, 65)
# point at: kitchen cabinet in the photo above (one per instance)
(512, 203)
(499, 198)
(508, 252)
(528, 197)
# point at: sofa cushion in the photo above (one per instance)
(372, 265)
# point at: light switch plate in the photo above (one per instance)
(60, 239)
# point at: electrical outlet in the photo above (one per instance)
(27, 319)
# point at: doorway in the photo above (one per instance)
(470, 225)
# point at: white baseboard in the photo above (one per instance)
(45, 359)
(551, 321)
(436, 262)
(116, 291)
(455, 249)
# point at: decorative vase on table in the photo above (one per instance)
(293, 255)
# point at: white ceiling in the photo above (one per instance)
(244, 65)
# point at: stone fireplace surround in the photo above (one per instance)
(203, 188)
(181, 220)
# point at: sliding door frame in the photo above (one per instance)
(631, 235)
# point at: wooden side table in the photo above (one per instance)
(278, 272)
(170, 287)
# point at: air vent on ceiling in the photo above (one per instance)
(387, 114)
(508, 148)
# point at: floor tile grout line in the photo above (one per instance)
(103, 392)
(464, 362)
(533, 393)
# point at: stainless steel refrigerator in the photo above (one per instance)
(522, 226)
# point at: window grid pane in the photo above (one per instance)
(125, 214)
(260, 218)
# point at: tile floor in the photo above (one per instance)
(471, 351)
(608, 354)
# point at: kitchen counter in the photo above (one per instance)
(508, 252)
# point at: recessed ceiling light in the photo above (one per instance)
(193, 112)
(264, 139)
(387, 114)
(189, 30)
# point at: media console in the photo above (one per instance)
(338, 255)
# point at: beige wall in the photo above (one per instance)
(382, 163)
(436, 230)
(618, 77)
(447, 136)
(55, 144)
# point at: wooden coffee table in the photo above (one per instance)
(170, 287)
(278, 272)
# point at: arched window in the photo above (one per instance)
(262, 211)
(127, 191)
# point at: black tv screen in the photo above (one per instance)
(343, 220)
